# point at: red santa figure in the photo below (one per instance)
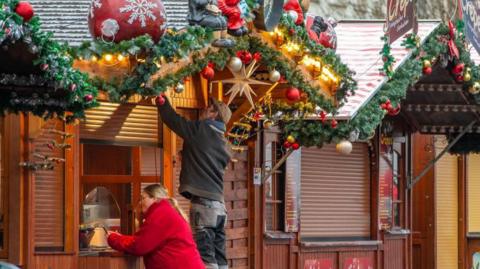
(235, 22)
(294, 10)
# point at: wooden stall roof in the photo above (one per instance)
(359, 45)
(439, 105)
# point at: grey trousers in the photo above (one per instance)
(208, 219)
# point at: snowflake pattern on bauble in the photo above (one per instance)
(95, 4)
(140, 10)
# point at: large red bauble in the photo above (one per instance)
(117, 20)
(293, 94)
(25, 10)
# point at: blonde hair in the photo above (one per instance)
(157, 191)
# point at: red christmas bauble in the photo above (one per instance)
(459, 78)
(295, 146)
(394, 111)
(458, 69)
(427, 70)
(88, 98)
(334, 123)
(25, 10)
(286, 144)
(160, 100)
(117, 20)
(245, 56)
(293, 94)
(208, 72)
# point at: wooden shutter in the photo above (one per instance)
(335, 193)
(122, 124)
(292, 191)
(446, 196)
(473, 191)
(49, 191)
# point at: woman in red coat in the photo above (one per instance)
(164, 240)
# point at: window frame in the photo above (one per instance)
(135, 178)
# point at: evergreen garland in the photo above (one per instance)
(72, 87)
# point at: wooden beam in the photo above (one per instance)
(454, 108)
(261, 92)
(445, 129)
(436, 88)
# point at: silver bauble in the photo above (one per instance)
(179, 88)
(235, 64)
(274, 76)
(344, 147)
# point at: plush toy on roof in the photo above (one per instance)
(117, 20)
(322, 31)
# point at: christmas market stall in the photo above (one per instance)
(425, 108)
(84, 156)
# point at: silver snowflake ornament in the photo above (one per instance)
(139, 10)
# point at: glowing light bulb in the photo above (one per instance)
(108, 57)
(120, 57)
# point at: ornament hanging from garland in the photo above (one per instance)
(344, 147)
(242, 80)
(475, 88)
(117, 20)
(208, 72)
(427, 67)
(293, 94)
(274, 76)
(25, 10)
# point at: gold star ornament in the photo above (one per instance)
(242, 82)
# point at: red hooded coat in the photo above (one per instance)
(164, 240)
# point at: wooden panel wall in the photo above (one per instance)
(236, 201)
(54, 262)
(123, 262)
(423, 206)
(394, 252)
(276, 256)
(338, 258)
(316, 259)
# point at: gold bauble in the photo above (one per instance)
(475, 88)
(427, 63)
(467, 77)
(291, 139)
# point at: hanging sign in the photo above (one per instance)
(401, 18)
(471, 17)
(268, 15)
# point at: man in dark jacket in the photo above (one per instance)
(204, 159)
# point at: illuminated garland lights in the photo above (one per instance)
(71, 90)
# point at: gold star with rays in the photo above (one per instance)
(242, 82)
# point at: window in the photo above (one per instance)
(123, 171)
(390, 180)
(120, 154)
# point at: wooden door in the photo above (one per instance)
(423, 207)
